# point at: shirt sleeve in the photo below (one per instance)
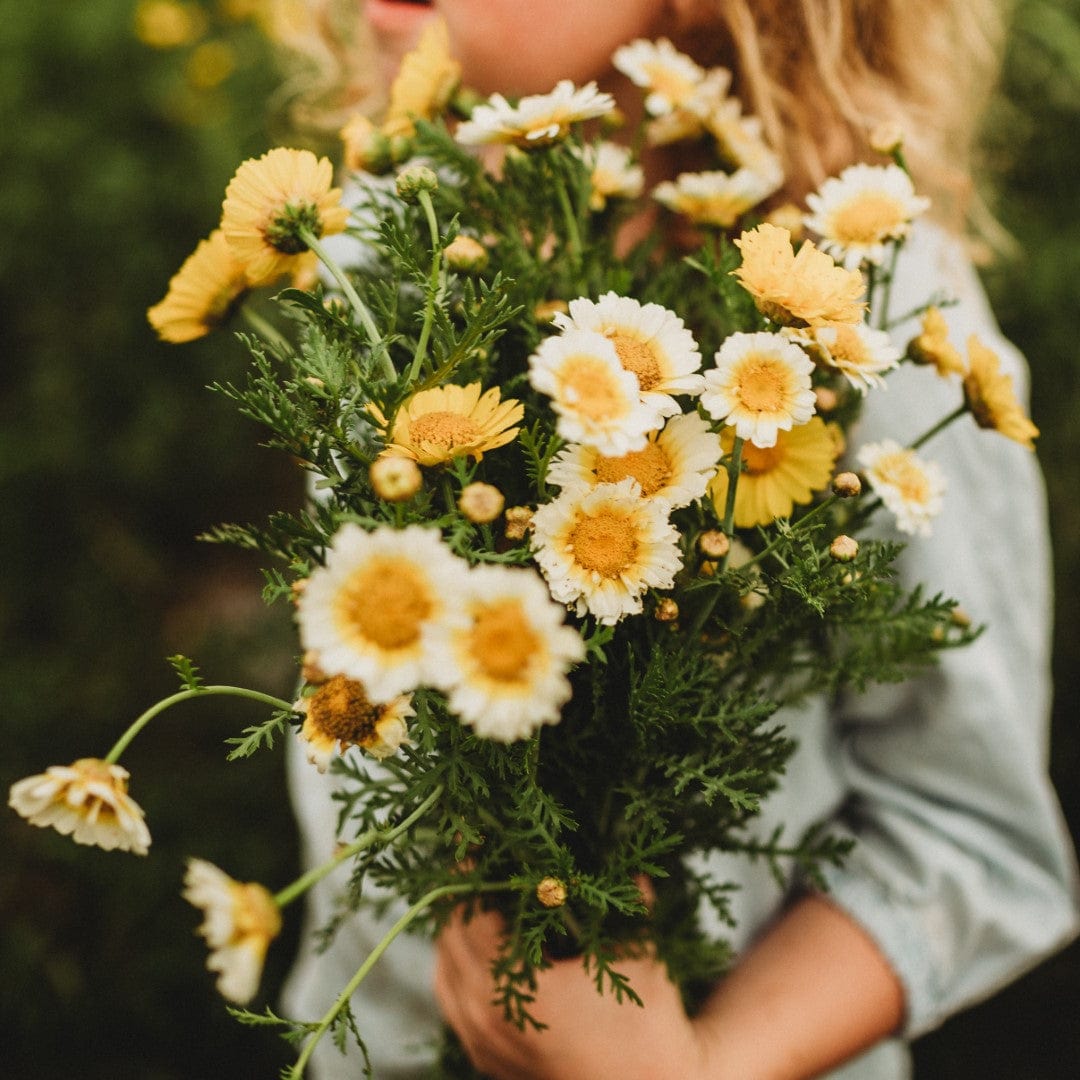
(963, 871)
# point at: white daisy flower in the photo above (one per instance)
(760, 385)
(504, 671)
(716, 198)
(861, 353)
(858, 212)
(595, 398)
(911, 488)
(87, 801)
(668, 76)
(740, 140)
(536, 120)
(688, 119)
(240, 922)
(367, 613)
(613, 173)
(601, 548)
(650, 341)
(676, 464)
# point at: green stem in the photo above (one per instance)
(886, 295)
(943, 423)
(346, 286)
(734, 469)
(573, 235)
(433, 284)
(365, 840)
(807, 517)
(424, 902)
(265, 328)
(184, 695)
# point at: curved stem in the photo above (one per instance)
(140, 722)
(424, 902)
(364, 840)
(433, 284)
(266, 329)
(943, 423)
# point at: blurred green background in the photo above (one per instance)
(115, 152)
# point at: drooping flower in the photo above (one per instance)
(424, 83)
(911, 488)
(504, 670)
(338, 714)
(87, 801)
(859, 352)
(800, 289)
(991, 399)
(268, 202)
(669, 76)
(613, 174)
(714, 198)
(778, 478)
(932, 345)
(437, 425)
(201, 293)
(240, 922)
(368, 611)
(760, 385)
(650, 341)
(537, 119)
(596, 399)
(601, 548)
(858, 212)
(675, 464)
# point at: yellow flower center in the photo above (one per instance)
(255, 915)
(758, 461)
(448, 429)
(384, 602)
(668, 83)
(502, 641)
(901, 471)
(340, 710)
(605, 544)
(650, 467)
(762, 384)
(637, 356)
(589, 386)
(868, 218)
(848, 347)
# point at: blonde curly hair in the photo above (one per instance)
(820, 74)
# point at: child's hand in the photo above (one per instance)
(588, 1035)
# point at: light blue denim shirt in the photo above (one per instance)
(963, 871)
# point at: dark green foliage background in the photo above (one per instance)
(113, 457)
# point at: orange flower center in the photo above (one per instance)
(605, 544)
(867, 219)
(502, 642)
(589, 386)
(448, 429)
(650, 467)
(758, 461)
(762, 384)
(384, 603)
(340, 709)
(637, 356)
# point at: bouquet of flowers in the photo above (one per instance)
(578, 528)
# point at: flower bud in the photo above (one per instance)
(481, 503)
(844, 548)
(666, 610)
(518, 520)
(887, 138)
(826, 399)
(546, 310)
(959, 617)
(551, 892)
(394, 478)
(366, 147)
(713, 544)
(466, 254)
(790, 217)
(846, 485)
(413, 180)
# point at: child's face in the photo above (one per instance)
(519, 46)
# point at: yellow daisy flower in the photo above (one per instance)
(87, 801)
(797, 289)
(367, 613)
(537, 120)
(240, 922)
(675, 464)
(991, 399)
(601, 548)
(201, 293)
(338, 714)
(932, 345)
(715, 198)
(778, 478)
(269, 200)
(504, 671)
(760, 385)
(424, 83)
(434, 426)
(911, 488)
